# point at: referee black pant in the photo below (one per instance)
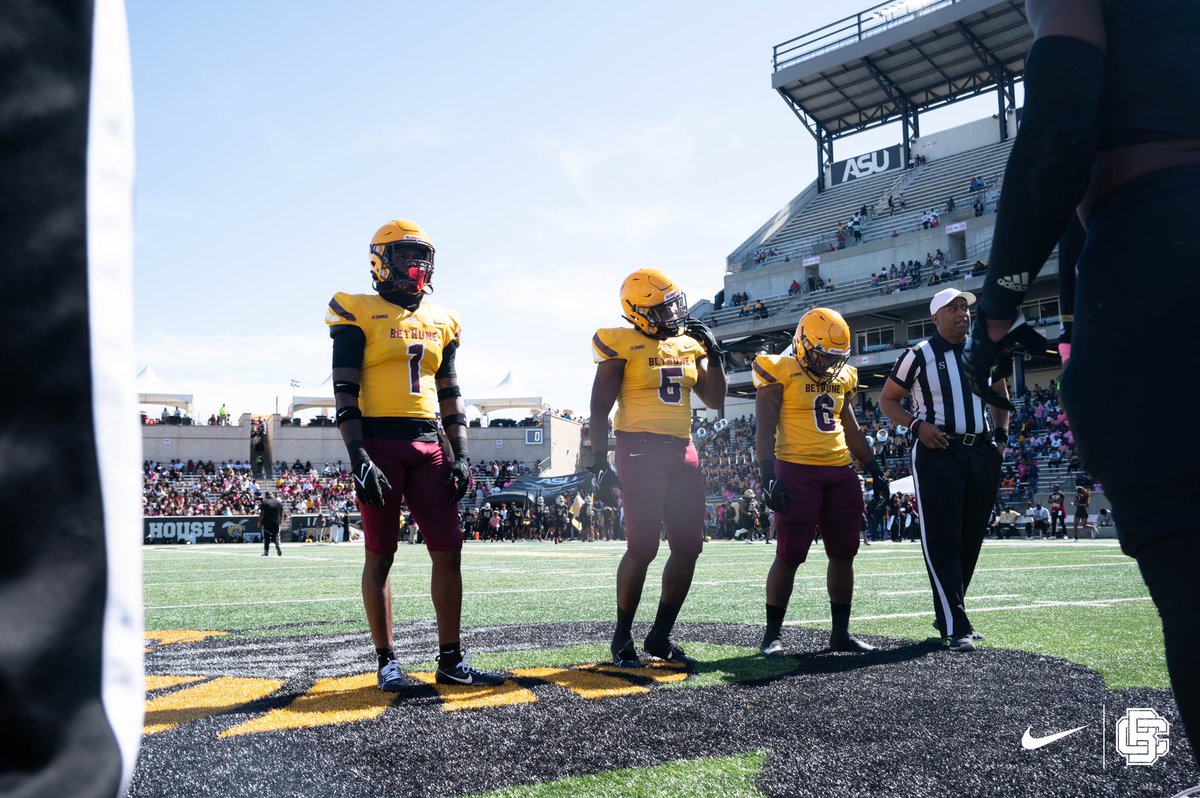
(956, 488)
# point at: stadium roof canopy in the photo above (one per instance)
(898, 59)
(153, 391)
(510, 393)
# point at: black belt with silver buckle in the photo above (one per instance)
(970, 439)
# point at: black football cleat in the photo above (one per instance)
(668, 652)
(463, 674)
(624, 655)
(844, 641)
(771, 649)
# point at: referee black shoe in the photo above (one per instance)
(962, 643)
(771, 648)
(844, 641)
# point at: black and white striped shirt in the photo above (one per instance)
(933, 374)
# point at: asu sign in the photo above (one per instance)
(867, 164)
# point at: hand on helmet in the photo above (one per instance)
(694, 328)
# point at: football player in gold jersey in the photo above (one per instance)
(650, 370)
(393, 371)
(806, 434)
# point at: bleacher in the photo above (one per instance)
(812, 229)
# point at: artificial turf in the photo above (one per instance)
(261, 679)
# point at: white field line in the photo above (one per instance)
(902, 592)
(608, 586)
(997, 596)
(358, 597)
(1037, 605)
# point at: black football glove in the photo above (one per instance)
(986, 360)
(606, 484)
(370, 483)
(694, 328)
(459, 478)
(880, 490)
(774, 494)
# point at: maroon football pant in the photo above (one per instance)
(417, 471)
(662, 490)
(828, 496)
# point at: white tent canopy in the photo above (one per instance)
(317, 398)
(153, 391)
(509, 393)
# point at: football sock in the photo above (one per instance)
(664, 622)
(774, 621)
(385, 654)
(450, 653)
(624, 630)
(841, 616)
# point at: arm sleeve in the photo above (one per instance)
(446, 368)
(1049, 168)
(1070, 247)
(349, 343)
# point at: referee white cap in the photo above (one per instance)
(947, 295)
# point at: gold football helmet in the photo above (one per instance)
(822, 342)
(652, 302)
(401, 258)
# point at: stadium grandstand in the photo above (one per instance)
(876, 235)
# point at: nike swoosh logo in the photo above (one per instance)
(1031, 743)
(468, 680)
(635, 454)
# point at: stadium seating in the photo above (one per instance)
(810, 230)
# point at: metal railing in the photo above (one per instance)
(862, 25)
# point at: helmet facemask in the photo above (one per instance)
(402, 271)
(817, 361)
(664, 320)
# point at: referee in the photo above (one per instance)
(956, 469)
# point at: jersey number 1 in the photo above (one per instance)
(415, 353)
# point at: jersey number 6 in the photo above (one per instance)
(823, 413)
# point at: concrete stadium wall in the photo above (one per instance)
(165, 442)
(316, 445)
(975, 134)
(320, 445)
(859, 262)
(561, 440)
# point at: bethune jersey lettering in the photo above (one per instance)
(810, 422)
(656, 391)
(403, 352)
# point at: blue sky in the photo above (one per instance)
(548, 148)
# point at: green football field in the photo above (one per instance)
(252, 658)
(1084, 601)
